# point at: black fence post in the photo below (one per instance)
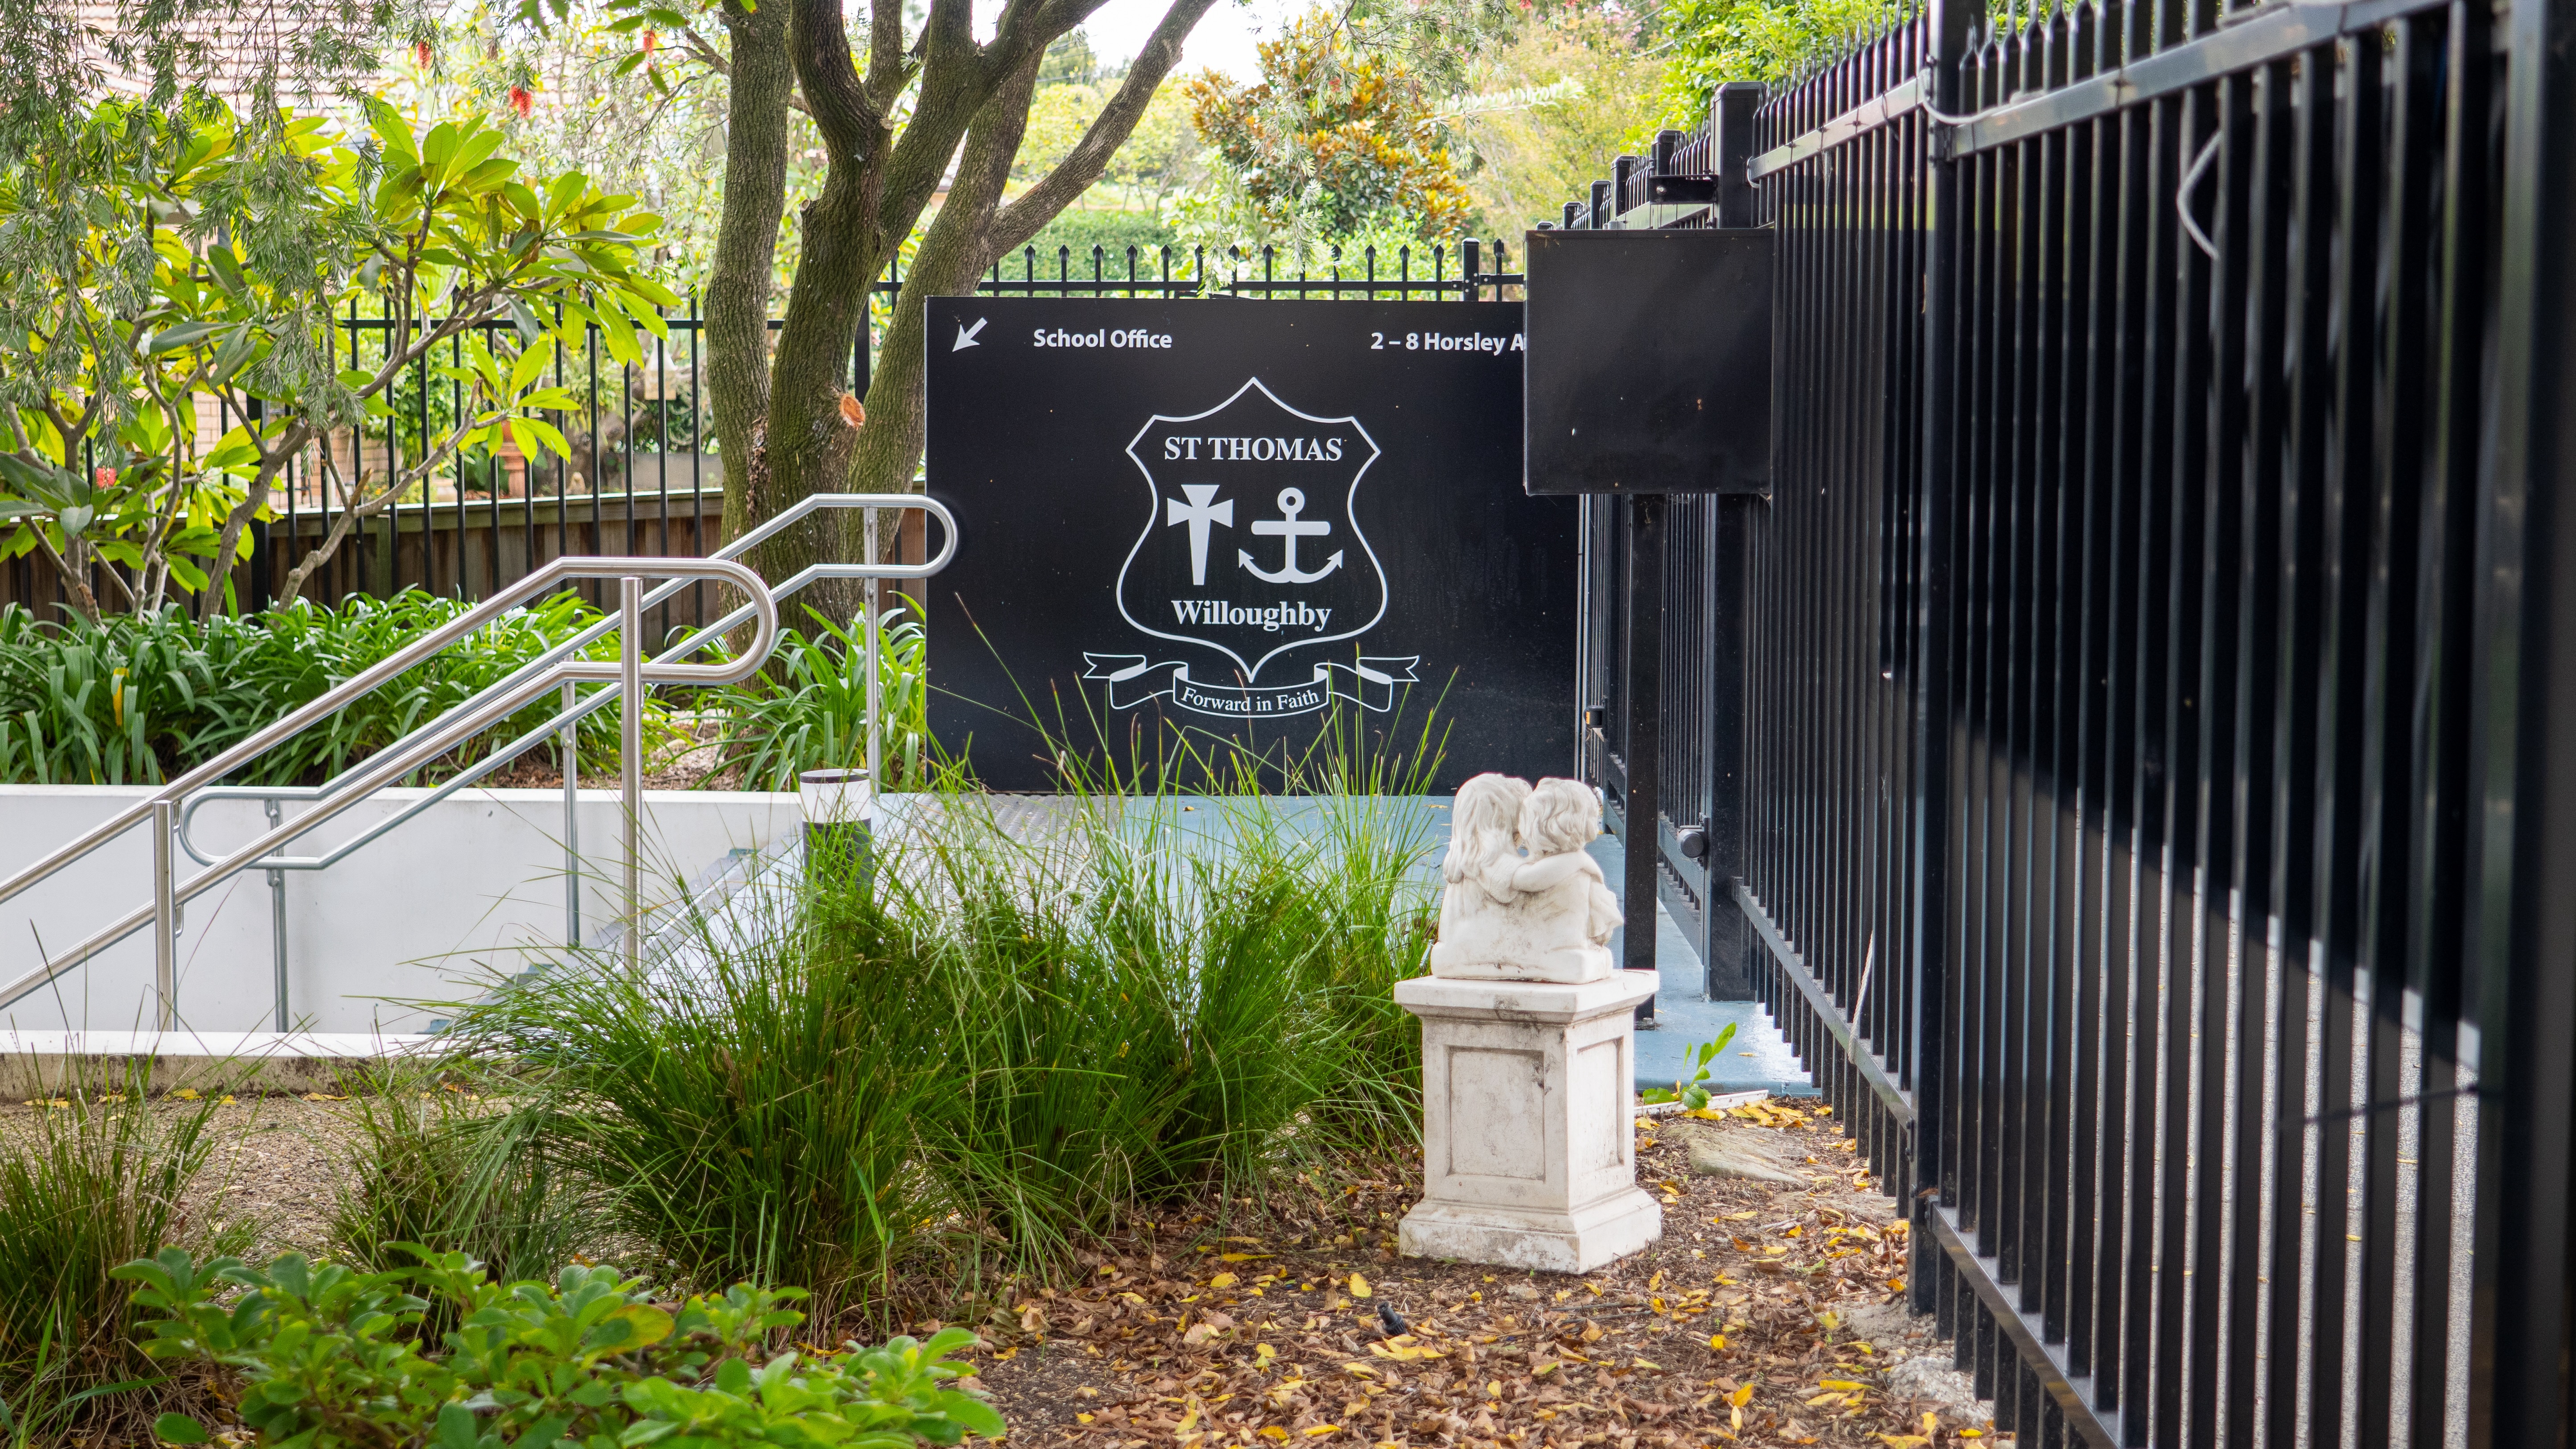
(255, 600)
(1643, 701)
(1730, 144)
(2523, 1273)
(1726, 934)
(1953, 23)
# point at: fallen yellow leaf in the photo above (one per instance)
(1904, 1441)
(1717, 1341)
(1359, 1286)
(187, 1094)
(1273, 1431)
(1845, 1385)
(1314, 1429)
(1822, 1399)
(1239, 1257)
(1741, 1397)
(1221, 1280)
(1082, 1418)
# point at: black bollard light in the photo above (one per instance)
(840, 821)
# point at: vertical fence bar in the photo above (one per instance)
(2522, 934)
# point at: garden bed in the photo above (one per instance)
(1256, 1324)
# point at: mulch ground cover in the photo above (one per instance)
(1293, 1322)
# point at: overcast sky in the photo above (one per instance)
(1223, 41)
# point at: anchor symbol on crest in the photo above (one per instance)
(1288, 530)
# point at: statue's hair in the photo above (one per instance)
(1481, 825)
(1560, 814)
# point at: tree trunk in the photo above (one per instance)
(737, 298)
(953, 253)
(880, 181)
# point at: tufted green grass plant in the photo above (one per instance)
(93, 1177)
(1019, 1023)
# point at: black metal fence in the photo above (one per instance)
(644, 477)
(2121, 741)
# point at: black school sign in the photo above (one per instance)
(1243, 519)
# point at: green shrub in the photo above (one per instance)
(330, 1356)
(94, 1178)
(136, 698)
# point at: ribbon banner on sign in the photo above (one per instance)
(1133, 679)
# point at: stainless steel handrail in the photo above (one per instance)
(557, 728)
(486, 709)
(563, 725)
(560, 726)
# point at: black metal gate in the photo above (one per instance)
(2120, 743)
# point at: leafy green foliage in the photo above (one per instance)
(808, 709)
(94, 1179)
(1328, 142)
(1693, 1094)
(134, 698)
(328, 1355)
(1772, 41)
(149, 258)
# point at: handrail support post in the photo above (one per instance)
(876, 696)
(277, 919)
(165, 917)
(571, 760)
(630, 764)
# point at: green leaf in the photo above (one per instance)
(531, 365)
(455, 1428)
(978, 1416)
(546, 433)
(171, 339)
(179, 1429)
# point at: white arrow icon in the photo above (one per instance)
(966, 335)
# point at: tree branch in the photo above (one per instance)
(708, 56)
(887, 72)
(1026, 216)
(819, 40)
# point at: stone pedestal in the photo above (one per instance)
(1529, 1096)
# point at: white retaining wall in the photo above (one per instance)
(427, 913)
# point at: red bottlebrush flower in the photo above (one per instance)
(652, 42)
(521, 98)
(420, 53)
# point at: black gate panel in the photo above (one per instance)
(2122, 737)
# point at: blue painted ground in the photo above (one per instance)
(1759, 1057)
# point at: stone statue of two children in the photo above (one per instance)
(1544, 916)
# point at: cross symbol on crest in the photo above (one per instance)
(1198, 513)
